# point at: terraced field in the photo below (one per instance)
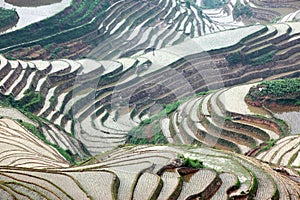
(100, 101)
(222, 119)
(266, 11)
(283, 153)
(19, 148)
(149, 172)
(81, 102)
(128, 26)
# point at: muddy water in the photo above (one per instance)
(29, 15)
(291, 115)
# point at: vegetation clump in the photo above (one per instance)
(258, 58)
(191, 163)
(241, 10)
(234, 58)
(31, 102)
(282, 92)
(8, 17)
(268, 145)
(263, 58)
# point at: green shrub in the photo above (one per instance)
(277, 88)
(31, 102)
(189, 162)
(241, 10)
(234, 58)
(7, 17)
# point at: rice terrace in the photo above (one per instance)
(150, 99)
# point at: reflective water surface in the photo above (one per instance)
(291, 115)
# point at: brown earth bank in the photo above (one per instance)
(273, 125)
(254, 98)
(31, 3)
(70, 50)
(273, 104)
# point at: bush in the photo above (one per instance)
(241, 10)
(7, 17)
(192, 163)
(277, 88)
(234, 58)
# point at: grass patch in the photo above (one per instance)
(264, 58)
(268, 146)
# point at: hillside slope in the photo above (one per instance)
(100, 101)
(147, 172)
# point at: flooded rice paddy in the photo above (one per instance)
(291, 115)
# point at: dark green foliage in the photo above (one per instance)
(234, 58)
(31, 102)
(204, 93)
(279, 88)
(262, 59)
(241, 10)
(188, 4)
(33, 130)
(7, 17)
(213, 3)
(256, 58)
(192, 163)
(254, 187)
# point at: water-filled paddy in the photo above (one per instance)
(291, 115)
